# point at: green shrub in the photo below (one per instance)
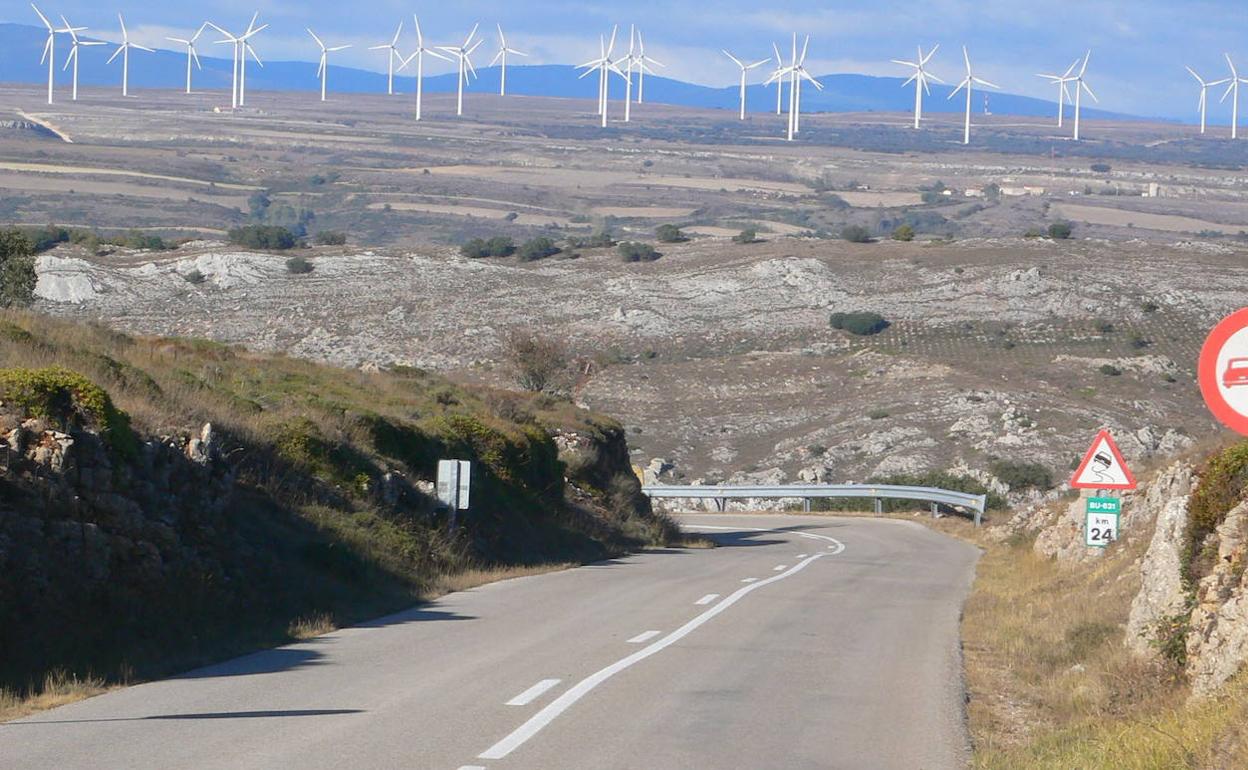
(599, 240)
(878, 414)
(538, 248)
(669, 234)
(856, 234)
(299, 266)
(68, 399)
(861, 324)
(194, 277)
(903, 233)
(1109, 370)
(17, 269)
(634, 251)
(331, 238)
(1222, 486)
(274, 237)
(1060, 231)
(1033, 232)
(1022, 475)
(749, 235)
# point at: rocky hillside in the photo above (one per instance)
(720, 356)
(164, 502)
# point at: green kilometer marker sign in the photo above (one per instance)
(1101, 527)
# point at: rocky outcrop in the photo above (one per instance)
(1161, 593)
(1217, 645)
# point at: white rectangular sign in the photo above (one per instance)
(448, 482)
(1101, 529)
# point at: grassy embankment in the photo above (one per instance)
(1052, 686)
(101, 594)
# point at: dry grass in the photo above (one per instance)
(1052, 686)
(58, 689)
(311, 626)
(475, 577)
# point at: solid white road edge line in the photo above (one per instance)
(531, 694)
(707, 599)
(644, 636)
(551, 711)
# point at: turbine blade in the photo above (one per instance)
(314, 37)
(502, 41)
(1193, 74)
(964, 84)
(42, 18)
(120, 48)
(46, 48)
(420, 38)
(910, 80)
(397, 32)
(967, 58)
(497, 56)
(735, 60)
(983, 82)
(73, 54)
(471, 35)
(124, 35)
(1084, 68)
(1089, 90)
(142, 48)
(339, 47)
(195, 56)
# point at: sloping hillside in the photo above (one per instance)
(166, 502)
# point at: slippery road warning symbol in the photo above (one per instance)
(1103, 467)
(1223, 371)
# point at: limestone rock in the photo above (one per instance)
(1161, 586)
(1217, 645)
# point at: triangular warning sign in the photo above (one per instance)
(1103, 467)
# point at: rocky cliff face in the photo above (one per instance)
(1217, 644)
(1161, 593)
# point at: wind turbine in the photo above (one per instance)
(1063, 93)
(603, 65)
(392, 53)
(49, 50)
(503, 50)
(419, 56)
(796, 73)
(1080, 87)
(1204, 93)
(745, 68)
(73, 51)
(244, 49)
(124, 51)
(632, 60)
(643, 67)
(1233, 88)
(462, 53)
(323, 70)
(191, 55)
(920, 78)
(968, 83)
(778, 81)
(238, 41)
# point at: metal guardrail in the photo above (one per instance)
(806, 492)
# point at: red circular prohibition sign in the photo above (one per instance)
(1207, 371)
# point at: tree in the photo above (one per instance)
(331, 238)
(669, 234)
(537, 362)
(258, 205)
(749, 235)
(903, 232)
(538, 248)
(263, 237)
(299, 266)
(17, 269)
(1060, 231)
(860, 324)
(856, 234)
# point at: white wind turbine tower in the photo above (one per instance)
(920, 78)
(124, 51)
(239, 42)
(392, 53)
(643, 66)
(323, 70)
(1204, 93)
(49, 50)
(1063, 93)
(1080, 87)
(1233, 88)
(191, 55)
(632, 60)
(462, 53)
(968, 83)
(745, 68)
(232, 40)
(501, 56)
(419, 56)
(73, 51)
(775, 77)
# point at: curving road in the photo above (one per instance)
(803, 642)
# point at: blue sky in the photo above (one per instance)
(1139, 48)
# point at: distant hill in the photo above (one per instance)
(21, 46)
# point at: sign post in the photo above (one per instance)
(1223, 371)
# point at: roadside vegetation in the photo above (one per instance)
(311, 510)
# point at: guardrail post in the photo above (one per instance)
(979, 515)
(806, 504)
(934, 507)
(879, 506)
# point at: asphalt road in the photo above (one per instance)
(803, 642)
